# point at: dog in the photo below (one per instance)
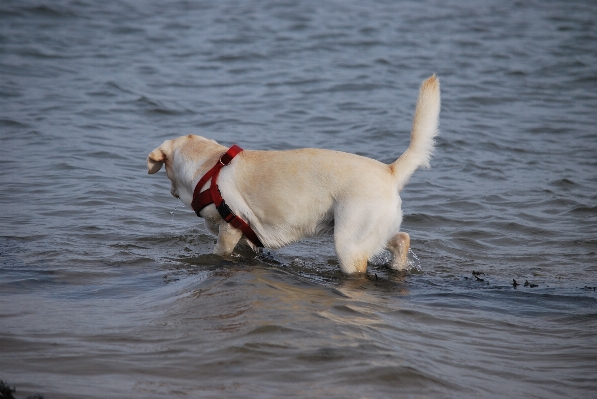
(283, 196)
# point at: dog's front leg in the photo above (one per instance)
(228, 237)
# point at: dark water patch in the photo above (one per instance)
(208, 260)
(195, 238)
(587, 320)
(238, 58)
(10, 123)
(519, 228)
(403, 377)
(426, 219)
(43, 53)
(589, 242)
(564, 183)
(156, 107)
(44, 11)
(322, 355)
(313, 271)
(514, 302)
(591, 210)
(270, 329)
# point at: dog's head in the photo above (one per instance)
(160, 156)
(184, 158)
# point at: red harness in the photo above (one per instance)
(212, 195)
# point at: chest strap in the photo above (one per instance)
(212, 195)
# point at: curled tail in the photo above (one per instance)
(425, 128)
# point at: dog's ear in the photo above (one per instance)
(155, 160)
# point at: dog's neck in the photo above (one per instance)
(190, 167)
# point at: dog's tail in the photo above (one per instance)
(425, 128)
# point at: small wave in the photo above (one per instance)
(13, 123)
(47, 11)
(585, 209)
(236, 58)
(129, 30)
(399, 377)
(352, 87)
(426, 219)
(566, 183)
(157, 107)
(269, 329)
(113, 85)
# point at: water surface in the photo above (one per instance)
(105, 291)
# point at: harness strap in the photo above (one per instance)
(201, 199)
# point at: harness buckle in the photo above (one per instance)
(225, 211)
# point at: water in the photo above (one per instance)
(105, 292)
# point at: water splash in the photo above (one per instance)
(384, 258)
(178, 204)
(413, 262)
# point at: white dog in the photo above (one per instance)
(283, 196)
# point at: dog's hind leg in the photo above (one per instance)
(228, 237)
(398, 246)
(352, 260)
(356, 236)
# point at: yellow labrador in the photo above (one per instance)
(287, 195)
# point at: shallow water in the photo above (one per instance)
(105, 292)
